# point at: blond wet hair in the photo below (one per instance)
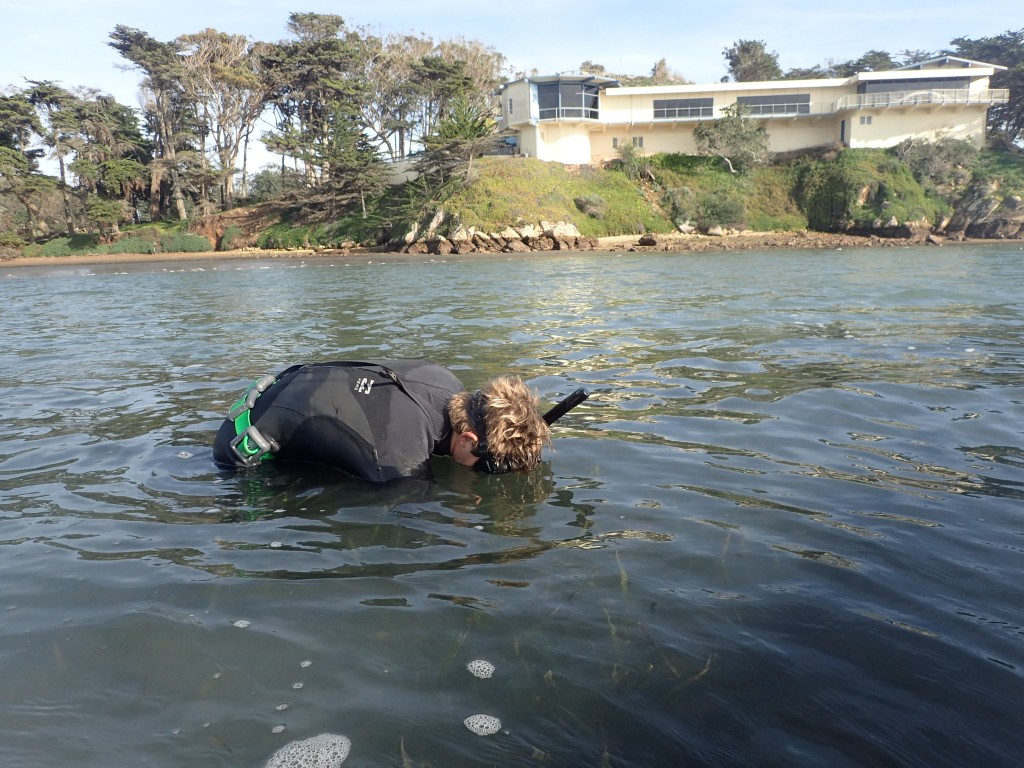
(515, 430)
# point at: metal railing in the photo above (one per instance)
(922, 97)
(568, 113)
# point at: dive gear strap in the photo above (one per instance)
(249, 445)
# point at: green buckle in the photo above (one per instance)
(249, 444)
(243, 445)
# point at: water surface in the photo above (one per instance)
(786, 529)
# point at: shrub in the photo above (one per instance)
(230, 236)
(283, 236)
(942, 167)
(859, 186)
(11, 240)
(594, 206)
(720, 208)
(132, 245)
(681, 203)
(184, 242)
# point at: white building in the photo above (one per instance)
(580, 118)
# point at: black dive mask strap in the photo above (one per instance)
(485, 461)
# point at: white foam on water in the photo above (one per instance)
(241, 623)
(483, 725)
(328, 750)
(480, 668)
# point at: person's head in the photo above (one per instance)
(500, 422)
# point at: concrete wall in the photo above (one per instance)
(567, 143)
(889, 127)
(519, 94)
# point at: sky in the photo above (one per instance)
(66, 40)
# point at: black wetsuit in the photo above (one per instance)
(377, 420)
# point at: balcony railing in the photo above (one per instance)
(568, 113)
(922, 97)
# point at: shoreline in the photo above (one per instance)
(665, 243)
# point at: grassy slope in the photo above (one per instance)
(507, 192)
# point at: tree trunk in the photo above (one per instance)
(156, 180)
(172, 162)
(68, 216)
(245, 167)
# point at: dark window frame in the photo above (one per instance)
(568, 99)
(674, 109)
(770, 104)
(915, 84)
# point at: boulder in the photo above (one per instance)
(435, 223)
(482, 243)
(977, 204)
(560, 231)
(647, 240)
(997, 229)
(410, 237)
(528, 231)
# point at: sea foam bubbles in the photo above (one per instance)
(483, 725)
(328, 750)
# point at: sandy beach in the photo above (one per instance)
(669, 242)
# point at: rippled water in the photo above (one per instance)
(786, 529)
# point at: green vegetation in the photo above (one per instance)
(144, 239)
(230, 237)
(858, 188)
(1006, 167)
(506, 193)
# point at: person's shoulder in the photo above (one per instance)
(426, 372)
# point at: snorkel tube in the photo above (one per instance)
(565, 406)
(486, 462)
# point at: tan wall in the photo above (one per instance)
(785, 135)
(889, 127)
(567, 143)
(981, 84)
(519, 93)
(632, 107)
(657, 138)
(528, 141)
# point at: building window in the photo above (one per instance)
(865, 119)
(682, 108)
(615, 142)
(567, 100)
(638, 142)
(509, 105)
(915, 84)
(777, 104)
